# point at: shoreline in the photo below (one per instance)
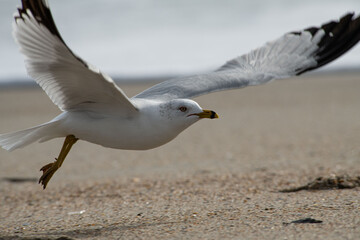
(17, 83)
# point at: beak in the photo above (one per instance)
(206, 114)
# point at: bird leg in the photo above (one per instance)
(51, 168)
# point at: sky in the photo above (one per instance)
(147, 38)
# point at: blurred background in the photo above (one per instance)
(150, 39)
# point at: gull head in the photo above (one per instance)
(187, 110)
(161, 121)
(182, 113)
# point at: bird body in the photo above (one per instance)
(152, 126)
(96, 110)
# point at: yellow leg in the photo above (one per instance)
(51, 168)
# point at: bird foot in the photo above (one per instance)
(51, 168)
(48, 172)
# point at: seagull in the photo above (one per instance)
(96, 110)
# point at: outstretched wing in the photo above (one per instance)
(292, 54)
(69, 81)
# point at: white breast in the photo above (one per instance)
(146, 130)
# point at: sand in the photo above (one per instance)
(220, 179)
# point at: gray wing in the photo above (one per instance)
(69, 81)
(292, 54)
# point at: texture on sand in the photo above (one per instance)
(218, 179)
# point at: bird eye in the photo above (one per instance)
(183, 109)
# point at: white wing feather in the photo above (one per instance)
(289, 55)
(70, 82)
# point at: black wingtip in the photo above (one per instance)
(41, 12)
(339, 37)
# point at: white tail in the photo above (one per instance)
(14, 140)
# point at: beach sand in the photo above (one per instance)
(220, 179)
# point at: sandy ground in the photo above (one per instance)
(220, 179)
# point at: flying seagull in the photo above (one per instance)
(96, 110)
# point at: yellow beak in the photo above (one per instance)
(207, 114)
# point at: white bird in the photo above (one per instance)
(96, 110)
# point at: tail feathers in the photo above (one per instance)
(14, 140)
